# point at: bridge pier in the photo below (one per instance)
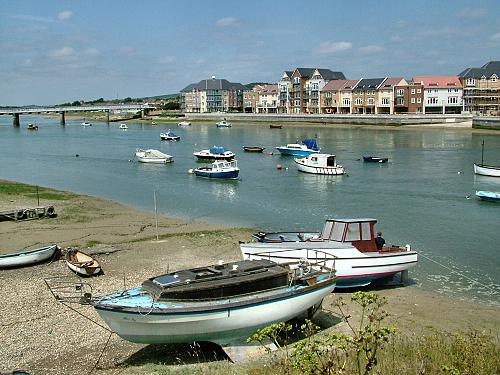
(142, 113)
(15, 120)
(63, 118)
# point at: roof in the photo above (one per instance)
(266, 88)
(339, 84)
(487, 70)
(389, 83)
(327, 74)
(368, 84)
(438, 82)
(214, 84)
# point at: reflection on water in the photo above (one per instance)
(419, 197)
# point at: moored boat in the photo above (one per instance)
(350, 246)
(219, 169)
(491, 196)
(319, 164)
(184, 123)
(484, 169)
(153, 156)
(123, 126)
(169, 136)
(307, 147)
(81, 263)
(214, 153)
(273, 126)
(84, 124)
(219, 303)
(253, 149)
(375, 159)
(32, 127)
(28, 257)
(223, 124)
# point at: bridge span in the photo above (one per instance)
(18, 111)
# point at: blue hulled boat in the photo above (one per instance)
(169, 136)
(220, 169)
(307, 147)
(214, 153)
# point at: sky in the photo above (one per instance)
(53, 52)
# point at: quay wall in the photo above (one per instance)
(486, 123)
(388, 120)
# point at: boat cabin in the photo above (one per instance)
(359, 232)
(218, 281)
(323, 160)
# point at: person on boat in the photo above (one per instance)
(379, 241)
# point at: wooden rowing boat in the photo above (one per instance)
(81, 263)
(28, 257)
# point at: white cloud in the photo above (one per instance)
(332, 47)
(165, 60)
(368, 50)
(64, 53)
(495, 37)
(226, 22)
(65, 15)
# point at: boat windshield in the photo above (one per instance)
(350, 231)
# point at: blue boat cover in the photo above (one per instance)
(311, 144)
(217, 150)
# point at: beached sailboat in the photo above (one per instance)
(28, 257)
(219, 303)
(484, 169)
(350, 247)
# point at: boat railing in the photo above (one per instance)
(66, 290)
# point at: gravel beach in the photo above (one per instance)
(44, 337)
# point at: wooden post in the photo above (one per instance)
(15, 120)
(63, 118)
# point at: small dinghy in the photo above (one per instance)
(253, 149)
(184, 123)
(81, 263)
(490, 196)
(275, 126)
(29, 257)
(223, 124)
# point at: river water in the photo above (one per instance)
(424, 196)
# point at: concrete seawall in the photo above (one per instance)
(486, 123)
(388, 120)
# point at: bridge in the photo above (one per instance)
(18, 111)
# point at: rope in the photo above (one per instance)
(102, 352)
(461, 274)
(86, 317)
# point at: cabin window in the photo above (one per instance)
(327, 230)
(338, 231)
(365, 231)
(353, 232)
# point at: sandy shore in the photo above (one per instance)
(45, 337)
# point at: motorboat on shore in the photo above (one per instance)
(28, 257)
(153, 156)
(307, 147)
(484, 169)
(169, 136)
(319, 164)
(32, 127)
(123, 127)
(375, 159)
(81, 263)
(214, 153)
(184, 123)
(253, 149)
(223, 124)
(220, 303)
(219, 169)
(349, 245)
(490, 196)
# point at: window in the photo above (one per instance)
(413, 100)
(494, 78)
(432, 100)
(353, 232)
(370, 101)
(346, 102)
(365, 231)
(385, 101)
(297, 103)
(419, 100)
(470, 82)
(452, 100)
(419, 91)
(413, 91)
(400, 92)
(358, 101)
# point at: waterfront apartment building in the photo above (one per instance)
(409, 97)
(442, 94)
(336, 96)
(481, 87)
(261, 99)
(212, 95)
(299, 92)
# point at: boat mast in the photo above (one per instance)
(482, 153)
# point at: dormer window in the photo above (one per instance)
(493, 78)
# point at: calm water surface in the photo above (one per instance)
(419, 197)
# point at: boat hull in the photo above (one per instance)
(489, 196)
(222, 324)
(288, 152)
(354, 268)
(374, 159)
(487, 170)
(154, 160)
(233, 174)
(25, 258)
(214, 157)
